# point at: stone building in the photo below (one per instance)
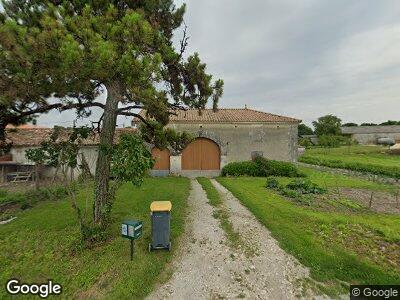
(220, 137)
(225, 136)
(370, 134)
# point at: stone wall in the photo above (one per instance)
(370, 134)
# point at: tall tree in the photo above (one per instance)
(305, 130)
(63, 54)
(327, 125)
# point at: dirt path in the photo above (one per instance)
(208, 268)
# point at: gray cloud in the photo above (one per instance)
(299, 58)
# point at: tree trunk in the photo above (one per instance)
(102, 176)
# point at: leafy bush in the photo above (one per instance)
(390, 171)
(330, 141)
(261, 167)
(305, 142)
(298, 189)
(242, 168)
(272, 183)
(277, 168)
(305, 186)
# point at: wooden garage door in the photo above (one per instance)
(201, 154)
(162, 159)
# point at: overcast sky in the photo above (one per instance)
(302, 59)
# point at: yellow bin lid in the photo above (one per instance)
(160, 206)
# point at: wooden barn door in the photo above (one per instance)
(162, 159)
(201, 154)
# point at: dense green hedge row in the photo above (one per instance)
(261, 167)
(390, 171)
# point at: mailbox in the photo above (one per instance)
(131, 229)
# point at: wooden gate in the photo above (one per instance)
(201, 154)
(161, 157)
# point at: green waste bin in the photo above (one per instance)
(160, 225)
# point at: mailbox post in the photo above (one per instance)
(132, 230)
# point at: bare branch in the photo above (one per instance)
(184, 41)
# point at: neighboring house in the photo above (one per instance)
(370, 134)
(28, 137)
(225, 136)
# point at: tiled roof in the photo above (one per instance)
(225, 115)
(33, 137)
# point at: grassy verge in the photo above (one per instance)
(39, 244)
(351, 247)
(357, 158)
(31, 197)
(220, 213)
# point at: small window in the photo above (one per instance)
(255, 154)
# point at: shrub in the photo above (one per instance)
(272, 183)
(261, 167)
(305, 186)
(330, 141)
(277, 168)
(305, 142)
(241, 168)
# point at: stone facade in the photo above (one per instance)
(237, 142)
(370, 134)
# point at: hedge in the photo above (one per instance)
(390, 171)
(261, 167)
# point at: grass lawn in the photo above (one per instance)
(39, 245)
(354, 247)
(372, 159)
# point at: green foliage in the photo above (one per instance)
(305, 186)
(305, 142)
(330, 141)
(46, 235)
(261, 167)
(297, 228)
(272, 183)
(131, 160)
(327, 125)
(304, 130)
(299, 189)
(390, 122)
(242, 168)
(277, 168)
(350, 124)
(155, 134)
(366, 159)
(32, 197)
(75, 51)
(61, 149)
(364, 167)
(368, 124)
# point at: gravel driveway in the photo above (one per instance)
(207, 268)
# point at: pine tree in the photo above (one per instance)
(72, 51)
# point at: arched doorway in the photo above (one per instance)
(161, 159)
(201, 154)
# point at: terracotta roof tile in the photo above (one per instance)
(33, 137)
(226, 115)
